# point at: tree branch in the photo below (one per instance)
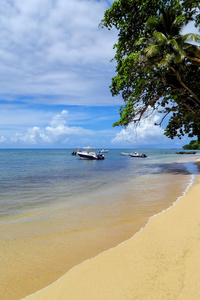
(192, 58)
(188, 96)
(183, 84)
(141, 112)
(163, 118)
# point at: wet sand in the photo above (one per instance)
(162, 261)
(37, 251)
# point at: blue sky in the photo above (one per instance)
(54, 79)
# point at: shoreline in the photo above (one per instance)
(115, 215)
(76, 285)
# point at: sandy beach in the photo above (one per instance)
(162, 261)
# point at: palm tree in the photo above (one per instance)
(165, 46)
(165, 38)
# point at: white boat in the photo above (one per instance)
(136, 154)
(88, 154)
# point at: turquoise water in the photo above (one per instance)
(58, 207)
(31, 179)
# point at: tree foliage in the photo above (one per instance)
(193, 145)
(193, 7)
(157, 67)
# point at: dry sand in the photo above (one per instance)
(162, 261)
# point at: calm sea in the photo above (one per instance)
(58, 207)
(32, 179)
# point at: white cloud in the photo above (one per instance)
(55, 47)
(190, 28)
(57, 131)
(33, 136)
(145, 133)
(66, 129)
(59, 119)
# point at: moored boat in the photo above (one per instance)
(136, 154)
(88, 154)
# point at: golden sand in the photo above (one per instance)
(162, 261)
(36, 251)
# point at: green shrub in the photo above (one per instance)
(193, 145)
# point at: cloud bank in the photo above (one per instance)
(56, 132)
(145, 134)
(55, 48)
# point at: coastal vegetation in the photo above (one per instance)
(158, 67)
(193, 145)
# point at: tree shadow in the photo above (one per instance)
(186, 168)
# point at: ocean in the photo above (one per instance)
(57, 210)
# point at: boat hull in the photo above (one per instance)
(139, 156)
(91, 156)
(86, 156)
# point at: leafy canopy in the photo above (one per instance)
(157, 67)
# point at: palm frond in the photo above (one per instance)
(179, 21)
(159, 37)
(152, 50)
(167, 59)
(192, 50)
(152, 22)
(191, 37)
(175, 46)
(141, 41)
(178, 58)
